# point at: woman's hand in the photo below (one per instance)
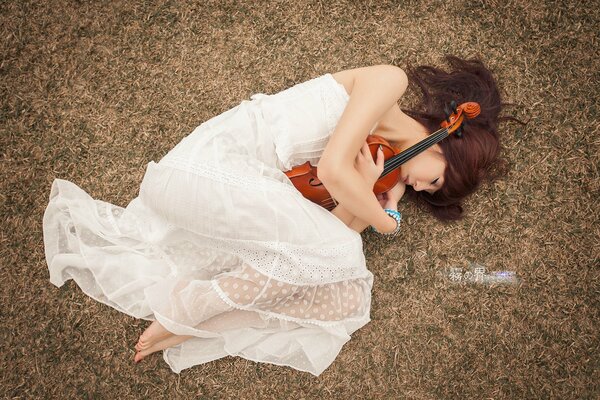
(370, 170)
(391, 198)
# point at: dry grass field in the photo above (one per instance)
(91, 91)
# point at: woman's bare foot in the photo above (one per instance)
(152, 335)
(170, 341)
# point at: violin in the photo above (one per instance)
(304, 176)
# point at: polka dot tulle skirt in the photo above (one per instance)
(219, 244)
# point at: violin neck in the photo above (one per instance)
(394, 162)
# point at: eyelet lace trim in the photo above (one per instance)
(303, 265)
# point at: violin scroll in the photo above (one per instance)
(453, 121)
(471, 109)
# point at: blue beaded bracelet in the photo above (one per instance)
(397, 215)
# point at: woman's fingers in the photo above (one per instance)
(365, 152)
(380, 157)
(362, 151)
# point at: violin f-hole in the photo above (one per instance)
(314, 182)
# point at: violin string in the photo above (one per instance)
(419, 147)
(410, 154)
(424, 145)
(414, 150)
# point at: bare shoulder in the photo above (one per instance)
(347, 77)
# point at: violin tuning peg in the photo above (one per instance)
(447, 112)
(453, 106)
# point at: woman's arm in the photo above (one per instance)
(375, 90)
(343, 214)
(356, 223)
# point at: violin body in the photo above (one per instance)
(304, 176)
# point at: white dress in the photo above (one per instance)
(220, 245)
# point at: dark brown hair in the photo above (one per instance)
(472, 158)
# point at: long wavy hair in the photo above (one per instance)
(472, 158)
